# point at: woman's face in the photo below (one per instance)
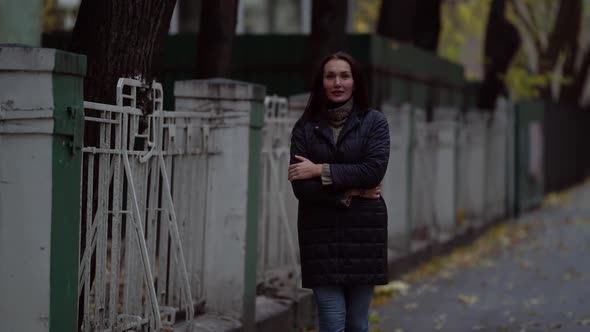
(338, 81)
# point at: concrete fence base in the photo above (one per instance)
(41, 128)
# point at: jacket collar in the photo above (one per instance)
(322, 127)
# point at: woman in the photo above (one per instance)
(339, 154)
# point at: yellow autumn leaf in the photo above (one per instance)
(411, 306)
(468, 300)
(394, 287)
(380, 300)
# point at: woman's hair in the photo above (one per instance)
(318, 100)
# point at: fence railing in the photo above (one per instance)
(155, 194)
(143, 212)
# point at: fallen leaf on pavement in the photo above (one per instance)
(374, 318)
(534, 301)
(525, 264)
(568, 314)
(468, 300)
(411, 306)
(394, 287)
(440, 321)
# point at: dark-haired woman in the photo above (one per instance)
(339, 154)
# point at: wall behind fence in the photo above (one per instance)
(282, 64)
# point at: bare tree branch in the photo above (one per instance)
(528, 24)
(541, 34)
(561, 37)
(501, 43)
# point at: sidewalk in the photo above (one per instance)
(525, 276)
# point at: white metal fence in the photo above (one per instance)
(444, 175)
(141, 253)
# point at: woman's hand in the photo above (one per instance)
(304, 169)
(374, 193)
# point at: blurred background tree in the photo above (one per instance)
(555, 46)
(462, 34)
(366, 15)
(119, 39)
(217, 29)
(501, 44)
(189, 14)
(552, 61)
(59, 15)
(415, 22)
(328, 30)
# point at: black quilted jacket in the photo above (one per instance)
(339, 244)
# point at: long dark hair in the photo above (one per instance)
(317, 99)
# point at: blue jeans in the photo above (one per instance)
(343, 308)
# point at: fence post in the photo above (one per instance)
(529, 154)
(445, 121)
(233, 190)
(41, 133)
(396, 183)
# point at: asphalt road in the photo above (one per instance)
(539, 284)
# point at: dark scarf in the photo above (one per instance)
(338, 114)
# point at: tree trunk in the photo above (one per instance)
(415, 22)
(189, 13)
(501, 43)
(572, 93)
(427, 25)
(271, 14)
(120, 38)
(565, 33)
(328, 30)
(216, 36)
(396, 19)
(562, 40)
